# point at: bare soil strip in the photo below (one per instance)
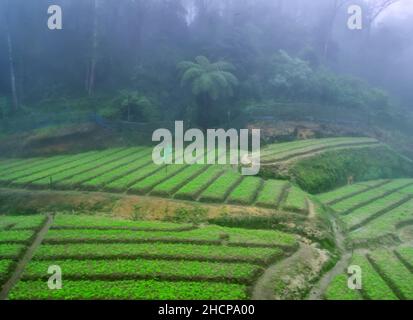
(25, 259)
(284, 195)
(264, 287)
(312, 214)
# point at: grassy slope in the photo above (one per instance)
(326, 171)
(332, 166)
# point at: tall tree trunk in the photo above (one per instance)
(15, 100)
(92, 67)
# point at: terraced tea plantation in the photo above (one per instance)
(373, 211)
(16, 234)
(386, 275)
(131, 170)
(104, 258)
(291, 151)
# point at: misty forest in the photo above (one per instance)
(206, 61)
(84, 84)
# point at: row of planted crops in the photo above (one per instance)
(291, 151)
(373, 212)
(386, 275)
(103, 258)
(132, 170)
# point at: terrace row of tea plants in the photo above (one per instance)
(105, 258)
(132, 170)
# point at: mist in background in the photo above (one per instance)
(108, 46)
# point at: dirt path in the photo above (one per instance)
(264, 287)
(317, 292)
(311, 209)
(289, 278)
(25, 259)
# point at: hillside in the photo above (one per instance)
(373, 212)
(131, 170)
(319, 165)
(146, 259)
(190, 230)
(218, 229)
(312, 98)
(377, 216)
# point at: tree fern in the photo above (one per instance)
(213, 79)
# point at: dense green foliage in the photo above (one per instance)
(246, 191)
(271, 193)
(196, 186)
(332, 169)
(386, 224)
(21, 222)
(406, 255)
(296, 200)
(374, 287)
(160, 269)
(106, 254)
(129, 290)
(290, 151)
(394, 272)
(210, 234)
(148, 61)
(16, 236)
(338, 290)
(10, 251)
(63, 221)
(368, 195)
(119, 70)
(220, 188)
(208, 81)
(341, 193)
(5, 267)
(374, 211)
(366, 213)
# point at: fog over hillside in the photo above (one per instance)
(206, 150)
(134, 37)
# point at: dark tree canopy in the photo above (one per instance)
(260, 51)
